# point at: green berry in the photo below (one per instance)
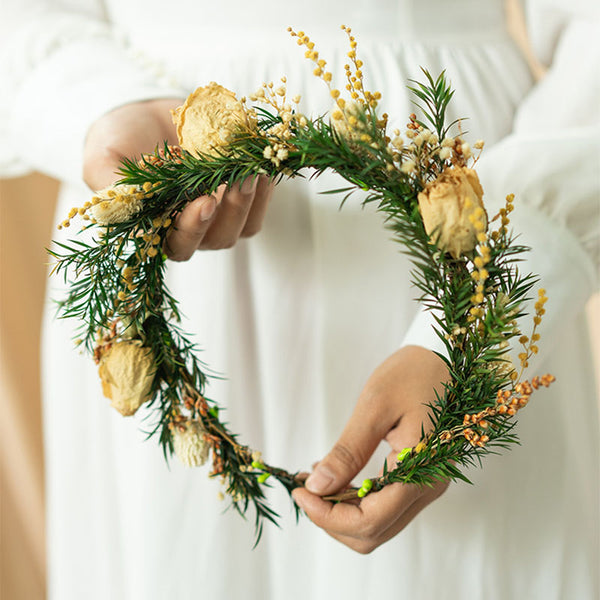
(361, 493)
(367, 484)
(403, 454)
(262, 478)
(256, 464)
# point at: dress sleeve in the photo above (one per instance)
(60, 70)
(551, 162)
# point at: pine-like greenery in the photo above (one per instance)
(109, 305)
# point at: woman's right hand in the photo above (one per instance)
(206, 223)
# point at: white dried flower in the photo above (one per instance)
(419, 139)
(189, 445)
(408, 166)
(504, 366)
(117, 203)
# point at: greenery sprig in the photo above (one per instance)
(467, 276)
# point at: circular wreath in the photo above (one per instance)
(422, 181)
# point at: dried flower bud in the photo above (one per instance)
(127, 371)
(117, 203)
(189, 444)
(348, 122)
(209, 119)
(504, 366)
(446, 205)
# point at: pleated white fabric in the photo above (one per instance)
(299, 316)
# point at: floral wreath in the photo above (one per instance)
(432, 199)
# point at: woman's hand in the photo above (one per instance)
(208, 222)
(392, 407)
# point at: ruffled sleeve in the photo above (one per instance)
(551, 162)
(60, 70)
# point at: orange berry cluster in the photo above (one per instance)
(507, 404)
(173, 154)
(478, 420)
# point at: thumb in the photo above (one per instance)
(349, 455)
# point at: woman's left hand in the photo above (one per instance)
(392, 407)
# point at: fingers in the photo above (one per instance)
(368, 519)
(218, 221)
(393, 406)
(190, 228)
(372, 418)
(231, 216)
(254, 221)
(378, 411)
(378, 517)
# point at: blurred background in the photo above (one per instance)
(26, 224)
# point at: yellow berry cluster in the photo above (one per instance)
(529, 343)
(503, 216)
(347, 117)
(480, 273)
(152, 246)
(354, 76)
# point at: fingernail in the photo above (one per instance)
(319, 481)
(248, 185)
(207, 209)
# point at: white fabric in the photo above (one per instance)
(299, 316)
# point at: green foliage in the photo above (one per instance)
(109, 305)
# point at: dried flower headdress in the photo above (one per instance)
(423, 182)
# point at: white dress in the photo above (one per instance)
(299, 316)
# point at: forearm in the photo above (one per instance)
(62, 71)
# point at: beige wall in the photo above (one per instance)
(26, 214)
(26, 208)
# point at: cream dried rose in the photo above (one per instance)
(209, 119)
(189, 444)
(127, 370)
(117, 203)
(446, 205)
